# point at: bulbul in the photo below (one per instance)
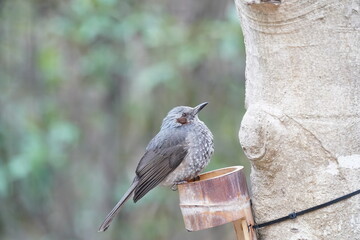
(178, 153)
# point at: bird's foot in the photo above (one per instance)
(174, 186)
(197, 178)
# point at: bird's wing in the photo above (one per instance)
(162, 156)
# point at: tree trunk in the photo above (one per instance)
(301, 130)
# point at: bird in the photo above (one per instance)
(178, 153)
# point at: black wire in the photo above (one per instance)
(295, 214)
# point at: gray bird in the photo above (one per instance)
(179, 152)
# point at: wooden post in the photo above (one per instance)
(240, 233)
(218, 197)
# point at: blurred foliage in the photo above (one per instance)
(84, 85)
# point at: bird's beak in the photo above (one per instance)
(199, 107)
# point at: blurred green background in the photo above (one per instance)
(84, 86)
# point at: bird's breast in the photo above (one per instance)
(200, 148)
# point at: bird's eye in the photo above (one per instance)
(184, 115)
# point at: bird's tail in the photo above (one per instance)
(117, 207)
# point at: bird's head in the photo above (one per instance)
(182, 116)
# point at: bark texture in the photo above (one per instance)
(301, 130)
